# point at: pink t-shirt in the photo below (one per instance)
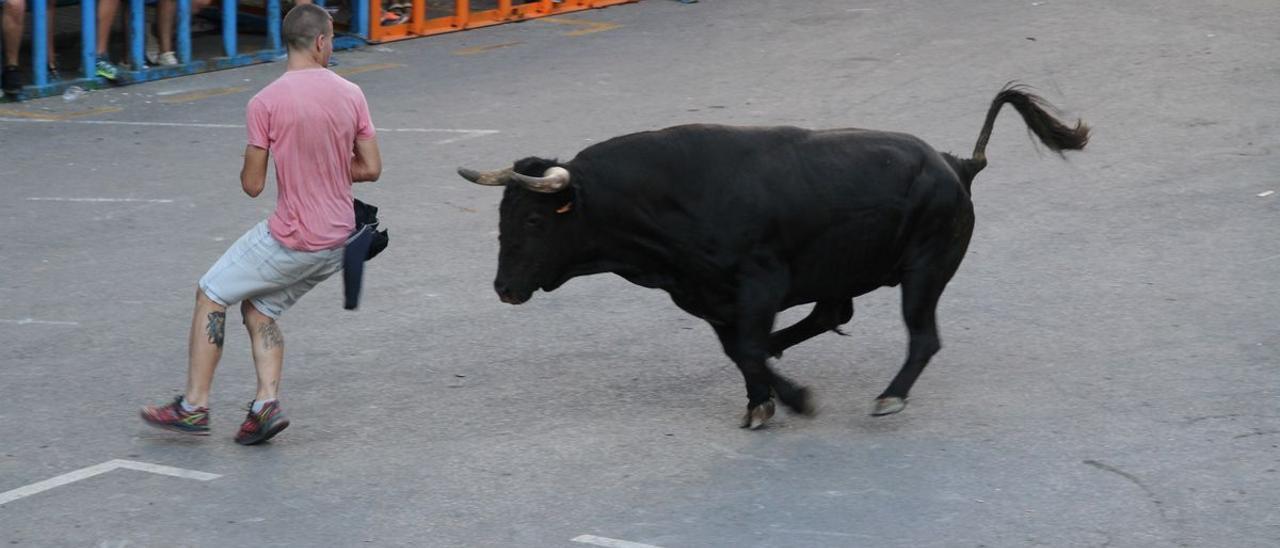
(309, 120)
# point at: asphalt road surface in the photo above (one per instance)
(1109, 370)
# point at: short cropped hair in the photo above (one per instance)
(303, 24)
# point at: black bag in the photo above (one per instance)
(367, 215)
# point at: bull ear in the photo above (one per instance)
(487, 178)
(553, 180)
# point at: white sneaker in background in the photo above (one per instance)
(166, 59)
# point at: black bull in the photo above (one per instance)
(738, 224)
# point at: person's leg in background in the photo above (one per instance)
(11, 22)
(106, 18)
(166, 24)
(54, 75)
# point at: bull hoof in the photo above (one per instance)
(758, 415)
(888, 405)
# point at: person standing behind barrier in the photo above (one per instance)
(11, 26)
(166, 20)
(318, 127)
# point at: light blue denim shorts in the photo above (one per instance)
(271, 276)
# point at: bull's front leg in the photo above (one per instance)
(746, 342)
(754, 371)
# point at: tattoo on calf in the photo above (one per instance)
(270, 334)
(217, 328)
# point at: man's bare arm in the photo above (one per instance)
(366, 165)
(253, 176)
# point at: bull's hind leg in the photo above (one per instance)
(922, 286)
(826, 316)
(919, 305)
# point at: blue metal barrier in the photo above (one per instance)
(273, 24)
(40, 29)
(137, 33)
(88, 36)
(134, 67)
(229, 27)
(184, 31)
(360, 18)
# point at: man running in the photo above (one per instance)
(317, 125)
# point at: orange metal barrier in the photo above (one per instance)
(426, 21)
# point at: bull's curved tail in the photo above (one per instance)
(1037, 113)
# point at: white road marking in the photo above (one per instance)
(442, 130)
(39, 487)
(471, 134)
(464, 134)
(98, 469)
(28, 321)
(174, 91)
(105, 200)
(821, 533)
(1267, 193)
(610, 542)
(165, 470)
(121, 123)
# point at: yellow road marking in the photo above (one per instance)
(481, 49)
(90, 112)
(14, 113)
(348, 71)
(588, 27)
(201, 94)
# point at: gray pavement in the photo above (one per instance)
(1109, 370)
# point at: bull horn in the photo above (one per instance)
(487, 178)
(553, 180)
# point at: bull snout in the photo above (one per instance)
(507, 295)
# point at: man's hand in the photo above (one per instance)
(366, 165)
(253, 176)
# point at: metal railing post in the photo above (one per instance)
(229, 27)
(184, 31)
(88, 36)
(418, 16)
(273, 24)
(461, 13)
(39, 42)
(360, 18)
(137, 34)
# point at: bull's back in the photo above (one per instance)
(833, 205)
